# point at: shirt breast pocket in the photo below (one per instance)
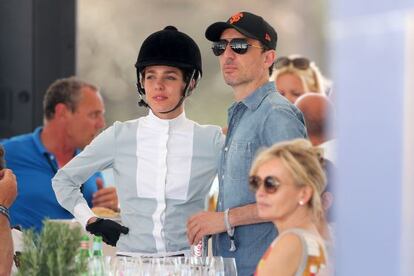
(240, 156)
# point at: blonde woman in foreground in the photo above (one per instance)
(288, 179)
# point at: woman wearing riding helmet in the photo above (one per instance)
(163, 163)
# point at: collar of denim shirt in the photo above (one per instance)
(253, 100)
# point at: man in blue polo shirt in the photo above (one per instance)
(73, 116)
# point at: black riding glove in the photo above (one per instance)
(108, 229)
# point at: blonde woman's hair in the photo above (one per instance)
(311, 78)
(304, 163)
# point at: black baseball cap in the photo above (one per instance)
(247, 23)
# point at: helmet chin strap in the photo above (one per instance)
(142, 102)
(141, 92)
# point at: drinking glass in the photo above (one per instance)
(126, 266)
(230, 267)
(217, 266)
(96, 266)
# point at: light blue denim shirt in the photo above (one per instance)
(259, 121)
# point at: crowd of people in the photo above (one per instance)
(273, 212)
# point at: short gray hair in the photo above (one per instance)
(66, 91)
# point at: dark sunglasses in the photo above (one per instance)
(270, 183)
(238, 45)
(299, 63)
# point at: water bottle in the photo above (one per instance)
(84, 252)
(96, 262)
(97, 246)
(82, 258)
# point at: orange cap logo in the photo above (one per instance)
(236, 17)
(267, 37)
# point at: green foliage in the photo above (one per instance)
(52, 252)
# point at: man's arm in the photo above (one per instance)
(6, 247)
(209, 223)
(8, 187)
(8, 191)
(244, 215)
(286, 125)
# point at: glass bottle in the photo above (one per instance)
(84, 252)
(97, 246)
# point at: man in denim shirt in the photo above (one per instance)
(258, 118)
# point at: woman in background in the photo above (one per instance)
(288, 179)
(295, 75)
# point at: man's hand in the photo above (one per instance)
(203, 224)
(105, 197)
(8, 187)
(109, 230)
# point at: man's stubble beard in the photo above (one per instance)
(234, 82)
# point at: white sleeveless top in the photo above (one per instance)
(314, 257)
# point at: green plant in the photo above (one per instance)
(52, 252)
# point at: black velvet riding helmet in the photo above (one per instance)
(172, 48)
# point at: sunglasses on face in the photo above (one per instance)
(238, 45)
(271, 184)
(299, 63)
